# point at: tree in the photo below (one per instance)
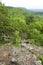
(4, 21)
(30, 18)
(16, 38)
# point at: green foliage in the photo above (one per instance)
(41, 58)
(16, 38)
(19, 23)
(30, 18)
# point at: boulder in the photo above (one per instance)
(2, 63)
(13, 61)
(37, 62)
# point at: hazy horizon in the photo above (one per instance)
(29, 4)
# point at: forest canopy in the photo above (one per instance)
(19, 24)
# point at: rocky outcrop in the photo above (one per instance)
(10, 55)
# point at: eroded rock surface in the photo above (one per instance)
(10, 55)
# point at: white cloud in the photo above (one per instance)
(35, 4)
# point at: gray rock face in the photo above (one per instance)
(38, 62)
(13, 61)
(2, 63)
(17, 56)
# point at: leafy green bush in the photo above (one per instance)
(41, 58)
(16, 38)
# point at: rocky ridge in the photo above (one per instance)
(24, 55)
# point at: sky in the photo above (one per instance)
(29, 4)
